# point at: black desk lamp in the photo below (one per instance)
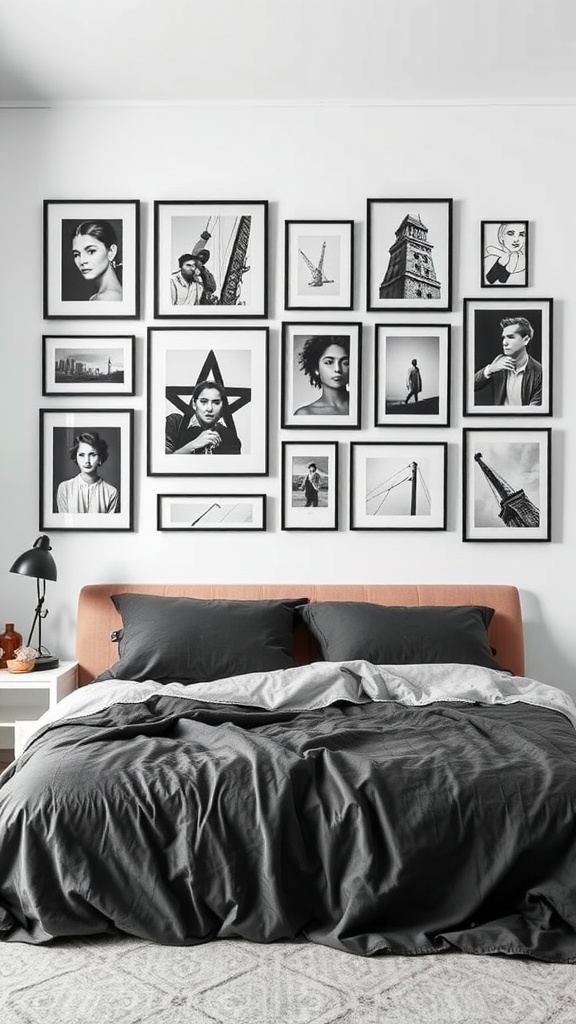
(39, 563)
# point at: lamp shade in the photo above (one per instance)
(37, 561)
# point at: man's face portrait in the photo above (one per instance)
(512, 341)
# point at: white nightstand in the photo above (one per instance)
(24, 697)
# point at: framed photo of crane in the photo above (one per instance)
(319, 264)
(398, 486)
(210, 259)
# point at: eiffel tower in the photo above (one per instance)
(515, 508)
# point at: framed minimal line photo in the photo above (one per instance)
(91, 259)
(409, 254)
(504, 253)
(398, 486)
(507, 484)
(321, 375)
(309, 485)
(412, 375)
(196, 512)
(210, 259)
(99, 365)
(319, 264)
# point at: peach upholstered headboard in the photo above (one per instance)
(97, 616)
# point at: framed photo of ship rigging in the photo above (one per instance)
(318, 264)
(398, 486)
(321, 374)
(210, 259)
(507, 484)
(409, 256)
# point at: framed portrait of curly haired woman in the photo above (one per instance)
(321, 372)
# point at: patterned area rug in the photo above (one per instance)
(127, 981)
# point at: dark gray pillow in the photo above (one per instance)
(188, 640)
(396, 635)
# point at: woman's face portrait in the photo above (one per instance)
(512, 236)
(87, 458)
(334, 367)
(91, 256)
(208, 406)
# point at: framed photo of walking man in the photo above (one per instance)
(508, 357)
(412, 378)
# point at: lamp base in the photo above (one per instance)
(46, 662)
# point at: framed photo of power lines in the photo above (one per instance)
(195, 512)
(210, 259)
(319, 264)
(398, 486)
(507, 484)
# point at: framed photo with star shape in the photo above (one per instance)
(207, 401)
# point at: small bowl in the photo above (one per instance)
(13, 665)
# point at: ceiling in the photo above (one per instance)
(287, 51)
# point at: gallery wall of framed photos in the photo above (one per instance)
(209, 389)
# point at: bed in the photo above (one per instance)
(364, 767)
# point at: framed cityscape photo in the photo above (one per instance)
(398, 486)
(504, 253)
(211, 512)
(409, 260)
(99, 365)
(309, 485)
(318, 264)
(321, 375)
(86, 469)
(507, 484)
(412, 375)
(508, 357)
(207, 401)
(91, 259)
(210, 259)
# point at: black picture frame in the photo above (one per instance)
(507, 484)
(94, 275)
(226, 242)
(314, 355)
(311, 505)
(398, 485)
(319, 264)
(504, 254)
(409, 255)
(483, 342)
(211, 512)
(409, 357)
(93, 365)
(65, 504)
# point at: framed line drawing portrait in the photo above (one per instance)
(319, 264)
(101, 365)
(409, 257)
(508, 357)
(195, 512)
(507, 484)
(91, 259)
(210, 259)
(207, 401)
(504, 253)
(86, 469)
(412, 375)
(309, 485)
(398, 486)
(321, 375)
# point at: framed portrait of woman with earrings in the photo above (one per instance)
(91, 259)
(321, 373)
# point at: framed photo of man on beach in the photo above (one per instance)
(210, 259)
(508, 357)
(309, 485)
(412, 375)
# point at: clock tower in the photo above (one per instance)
(411, 273)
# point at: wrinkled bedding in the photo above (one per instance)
(373, 809)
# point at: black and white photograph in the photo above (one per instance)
(211, 512)
(309, 485)
(86, 469)
(91, 259)
(507, 484)
(398, 486)
(210, 259)
(207, 401)
(409, 249)
(508, 357)
(412, 375)
(319, 264)
(321, 375)
(100, 365)
(504, 253)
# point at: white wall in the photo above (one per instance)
(313, 163)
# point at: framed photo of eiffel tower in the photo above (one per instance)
(507, 484)
(319, 264)
(210, 259)
(409, 257)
